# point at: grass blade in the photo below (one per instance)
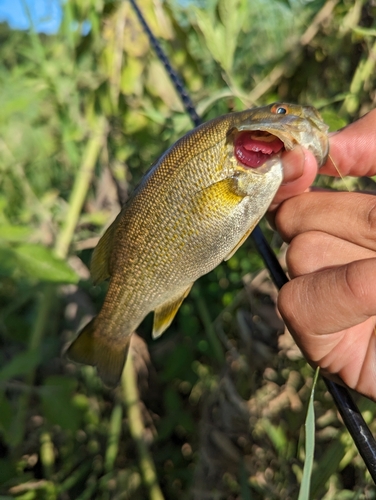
(309, 444)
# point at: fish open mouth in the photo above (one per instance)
(253, 148)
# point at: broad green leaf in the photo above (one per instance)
(364, 31)
(40, 262)
(332, 119)
(214, 35)
(8, 261)
(14, 233)
(131, 82)
(7, 472)
(58, 403)
(21, 364)
(34, 262)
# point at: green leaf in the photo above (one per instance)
(58, 403)
(364, 31)
(6, 415)
(332, 119)
(8, 261)
(7, 473)
(21, 364)
(276, 435)
(14, 233)
(309, 445)
(35, 262)
(40, 262)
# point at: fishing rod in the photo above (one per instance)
(350, 413)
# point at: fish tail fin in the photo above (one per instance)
(106, 353)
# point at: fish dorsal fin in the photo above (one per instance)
(100, 260)
(240, 242)
(164, 314)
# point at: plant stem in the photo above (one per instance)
(136, 428)
(80, 188)
(113, 437)
(45, 301)
(211, 334)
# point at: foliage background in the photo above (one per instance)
(221, 400)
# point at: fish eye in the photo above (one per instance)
(279, 110)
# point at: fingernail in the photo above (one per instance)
(293, 164)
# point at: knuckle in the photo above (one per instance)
(284, 220)
(291, 301)
(301, 257)
(286, 302)
(371, 220)
(353, 281)
(356, 285)
(279, 221)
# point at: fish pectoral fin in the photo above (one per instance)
(240, 243)
(164, 314)
(224, 193)
(107, 354)
(100, 260)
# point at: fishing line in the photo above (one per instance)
(339, 173)
(350, 413)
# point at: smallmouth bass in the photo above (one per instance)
(193, 209)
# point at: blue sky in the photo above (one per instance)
(46, 14)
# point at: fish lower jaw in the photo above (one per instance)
(256, 159)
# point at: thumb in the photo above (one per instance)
(353, 149)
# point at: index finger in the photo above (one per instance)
(353, 149)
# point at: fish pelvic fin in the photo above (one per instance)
(100, 260)
(164, 314)
(108, 355)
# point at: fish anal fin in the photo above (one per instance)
(164, 314)
(240, 243)
(100, 260)
(108, 355)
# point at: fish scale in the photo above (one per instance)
(192, 210)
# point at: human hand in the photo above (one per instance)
(330, 303)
